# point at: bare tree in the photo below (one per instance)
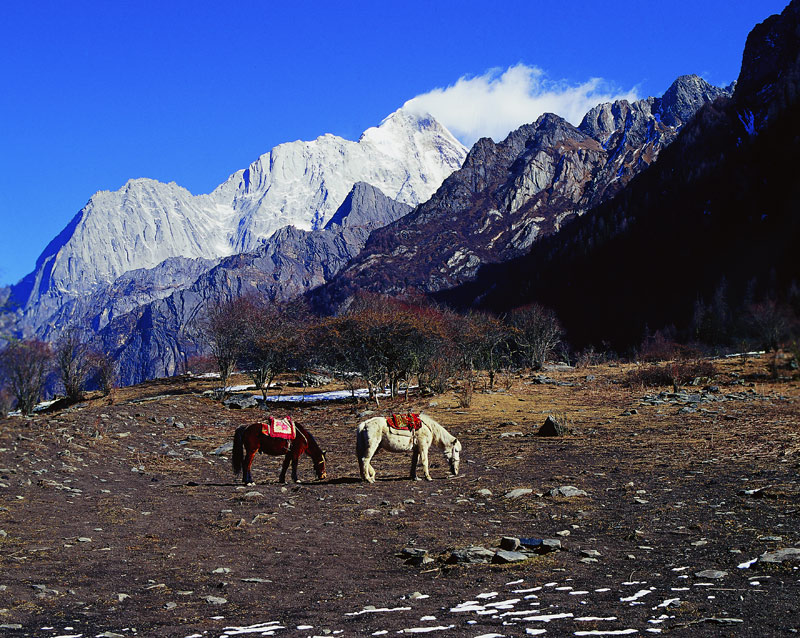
(104, 371)
(271, 337)
(223, 329)
(25, 366)
(536, 333)
(73, 363)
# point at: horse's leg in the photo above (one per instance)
(423, 453)
(247, 478)
(414, 459)
(371, 446)
(295, 459)
(286, 459)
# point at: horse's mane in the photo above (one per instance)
(440, 435)
(312, 442)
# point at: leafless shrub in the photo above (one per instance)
(536, 332)
(25, 366)
(73, 363)
(6, 402)
(465, 391)
(674, 373)
(104, 371)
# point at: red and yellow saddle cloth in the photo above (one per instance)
(404, 421)
(279, 428)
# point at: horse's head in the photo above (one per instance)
(319, 467)
(455, 457)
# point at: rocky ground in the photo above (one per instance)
(660, 512)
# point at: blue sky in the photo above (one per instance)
(95, 93)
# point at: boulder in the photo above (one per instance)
(509, 543)
(503, 557)
(541, 545)
(567, 491)
(780, 556)
(240, 401)
(552, 427)
(471, 555)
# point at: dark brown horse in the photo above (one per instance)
(251, 439)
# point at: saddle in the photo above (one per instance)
(410, 422)
(279, 428)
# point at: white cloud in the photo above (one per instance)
(497, 102)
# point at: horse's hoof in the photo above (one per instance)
(250, 484)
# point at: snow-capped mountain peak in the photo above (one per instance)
(296, 183)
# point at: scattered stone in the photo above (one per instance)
(521, 491)
(509, 435)
(541, 545)
(240, 402)
(223, 449)
(314, 380)
(713, 574)
(222, 570)
(371, 512)
(471, 555)
(122, 597)
(253, 494)
(591, 553)
(170, 605)
(552, 427)
(780, 556)
(215, 600)
(503, 557)
(511, 424)
(484, 493)
(509, 543)
(567, 491)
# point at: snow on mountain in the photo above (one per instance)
(297, 183)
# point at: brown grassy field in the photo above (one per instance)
(118, 518)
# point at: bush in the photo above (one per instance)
(25, 365)
(6, 402)
(675, 373)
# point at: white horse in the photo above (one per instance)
(375, 434)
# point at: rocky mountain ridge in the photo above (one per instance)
(510, 194)
(156, 339)
(715, 217)
(298, 183)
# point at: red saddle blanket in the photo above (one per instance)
(279, 428)
(404, 421)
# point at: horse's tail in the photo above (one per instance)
(361, 442)
(237, 459)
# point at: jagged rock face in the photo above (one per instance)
(298, 183)
(716, 213)
(133, 289)
(153, 341)
(509, 195)
(769, 81)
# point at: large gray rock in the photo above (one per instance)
(470, 555)
(567, 491)
(240, 401)
(552, 427)
(504, 556)
(790, 554)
